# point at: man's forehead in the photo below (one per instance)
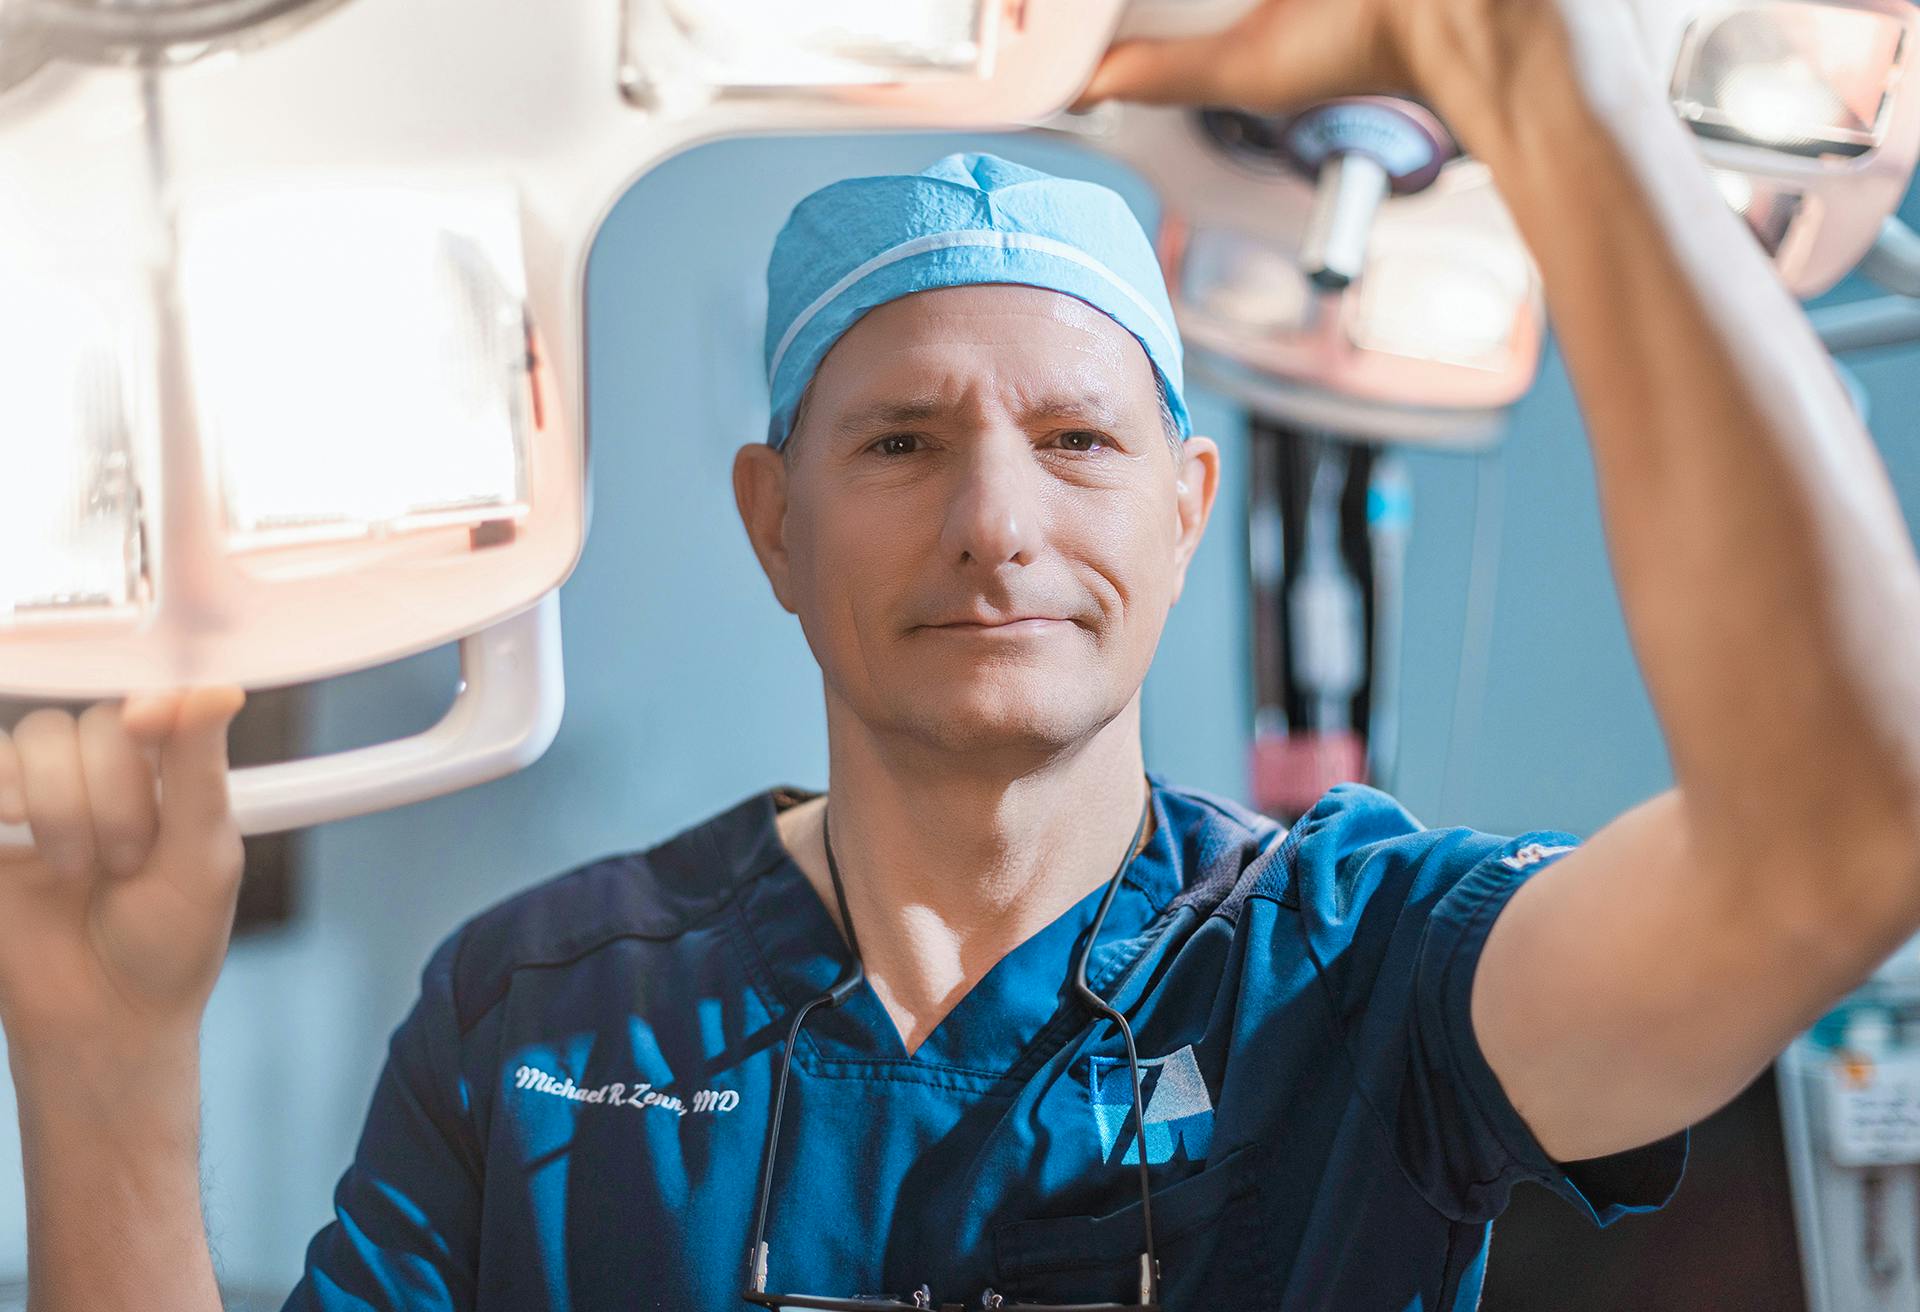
(1024, 347)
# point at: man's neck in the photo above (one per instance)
(948, 870)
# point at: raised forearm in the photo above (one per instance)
(112, 1181)
(1768, 579)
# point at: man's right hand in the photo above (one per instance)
(1283, 54)
(114, 924)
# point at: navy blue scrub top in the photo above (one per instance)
(572, 1115)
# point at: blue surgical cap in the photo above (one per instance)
(968, 219)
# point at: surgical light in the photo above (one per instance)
(1437, 330)
(401, 346)
(1455, 307)
(1810, 103)
(746, 45)
(1241, 280)
(1801, 78)
(292, 340)
(70, 524)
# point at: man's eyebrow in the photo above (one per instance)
(1090, 407)
(900, 410)
(1085, 407)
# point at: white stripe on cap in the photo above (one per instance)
(986, 239)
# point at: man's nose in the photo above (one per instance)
(994, 515)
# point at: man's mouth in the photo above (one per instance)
(1018, 627)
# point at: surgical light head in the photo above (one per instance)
(292, 338)
(966, 220)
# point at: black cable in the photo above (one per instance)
(855, 972)
(1100, 1005)
(1087, 995)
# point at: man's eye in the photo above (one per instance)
(896, 444)
(1082, 440)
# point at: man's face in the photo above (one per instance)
(979, 521)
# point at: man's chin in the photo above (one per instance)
(988, 724)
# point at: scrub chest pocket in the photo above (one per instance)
(1206, 1234)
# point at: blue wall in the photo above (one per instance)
(689, 688)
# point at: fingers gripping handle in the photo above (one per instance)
(504, 717)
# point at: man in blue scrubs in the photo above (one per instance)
(1327, 1053)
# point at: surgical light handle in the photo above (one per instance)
(1334, 249)
(505, 715)
(1359, 150)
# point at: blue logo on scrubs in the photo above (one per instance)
(1179, 1108)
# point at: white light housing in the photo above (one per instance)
(1802, 78)
(1811, 104)
(301, 427)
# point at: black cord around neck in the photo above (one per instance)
(1150, 1276)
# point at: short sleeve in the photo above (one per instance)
(1396, 917)
(405, 1234)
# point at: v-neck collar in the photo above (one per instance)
(989, 1031)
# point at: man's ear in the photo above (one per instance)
(1195, 484)
(760, 491)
